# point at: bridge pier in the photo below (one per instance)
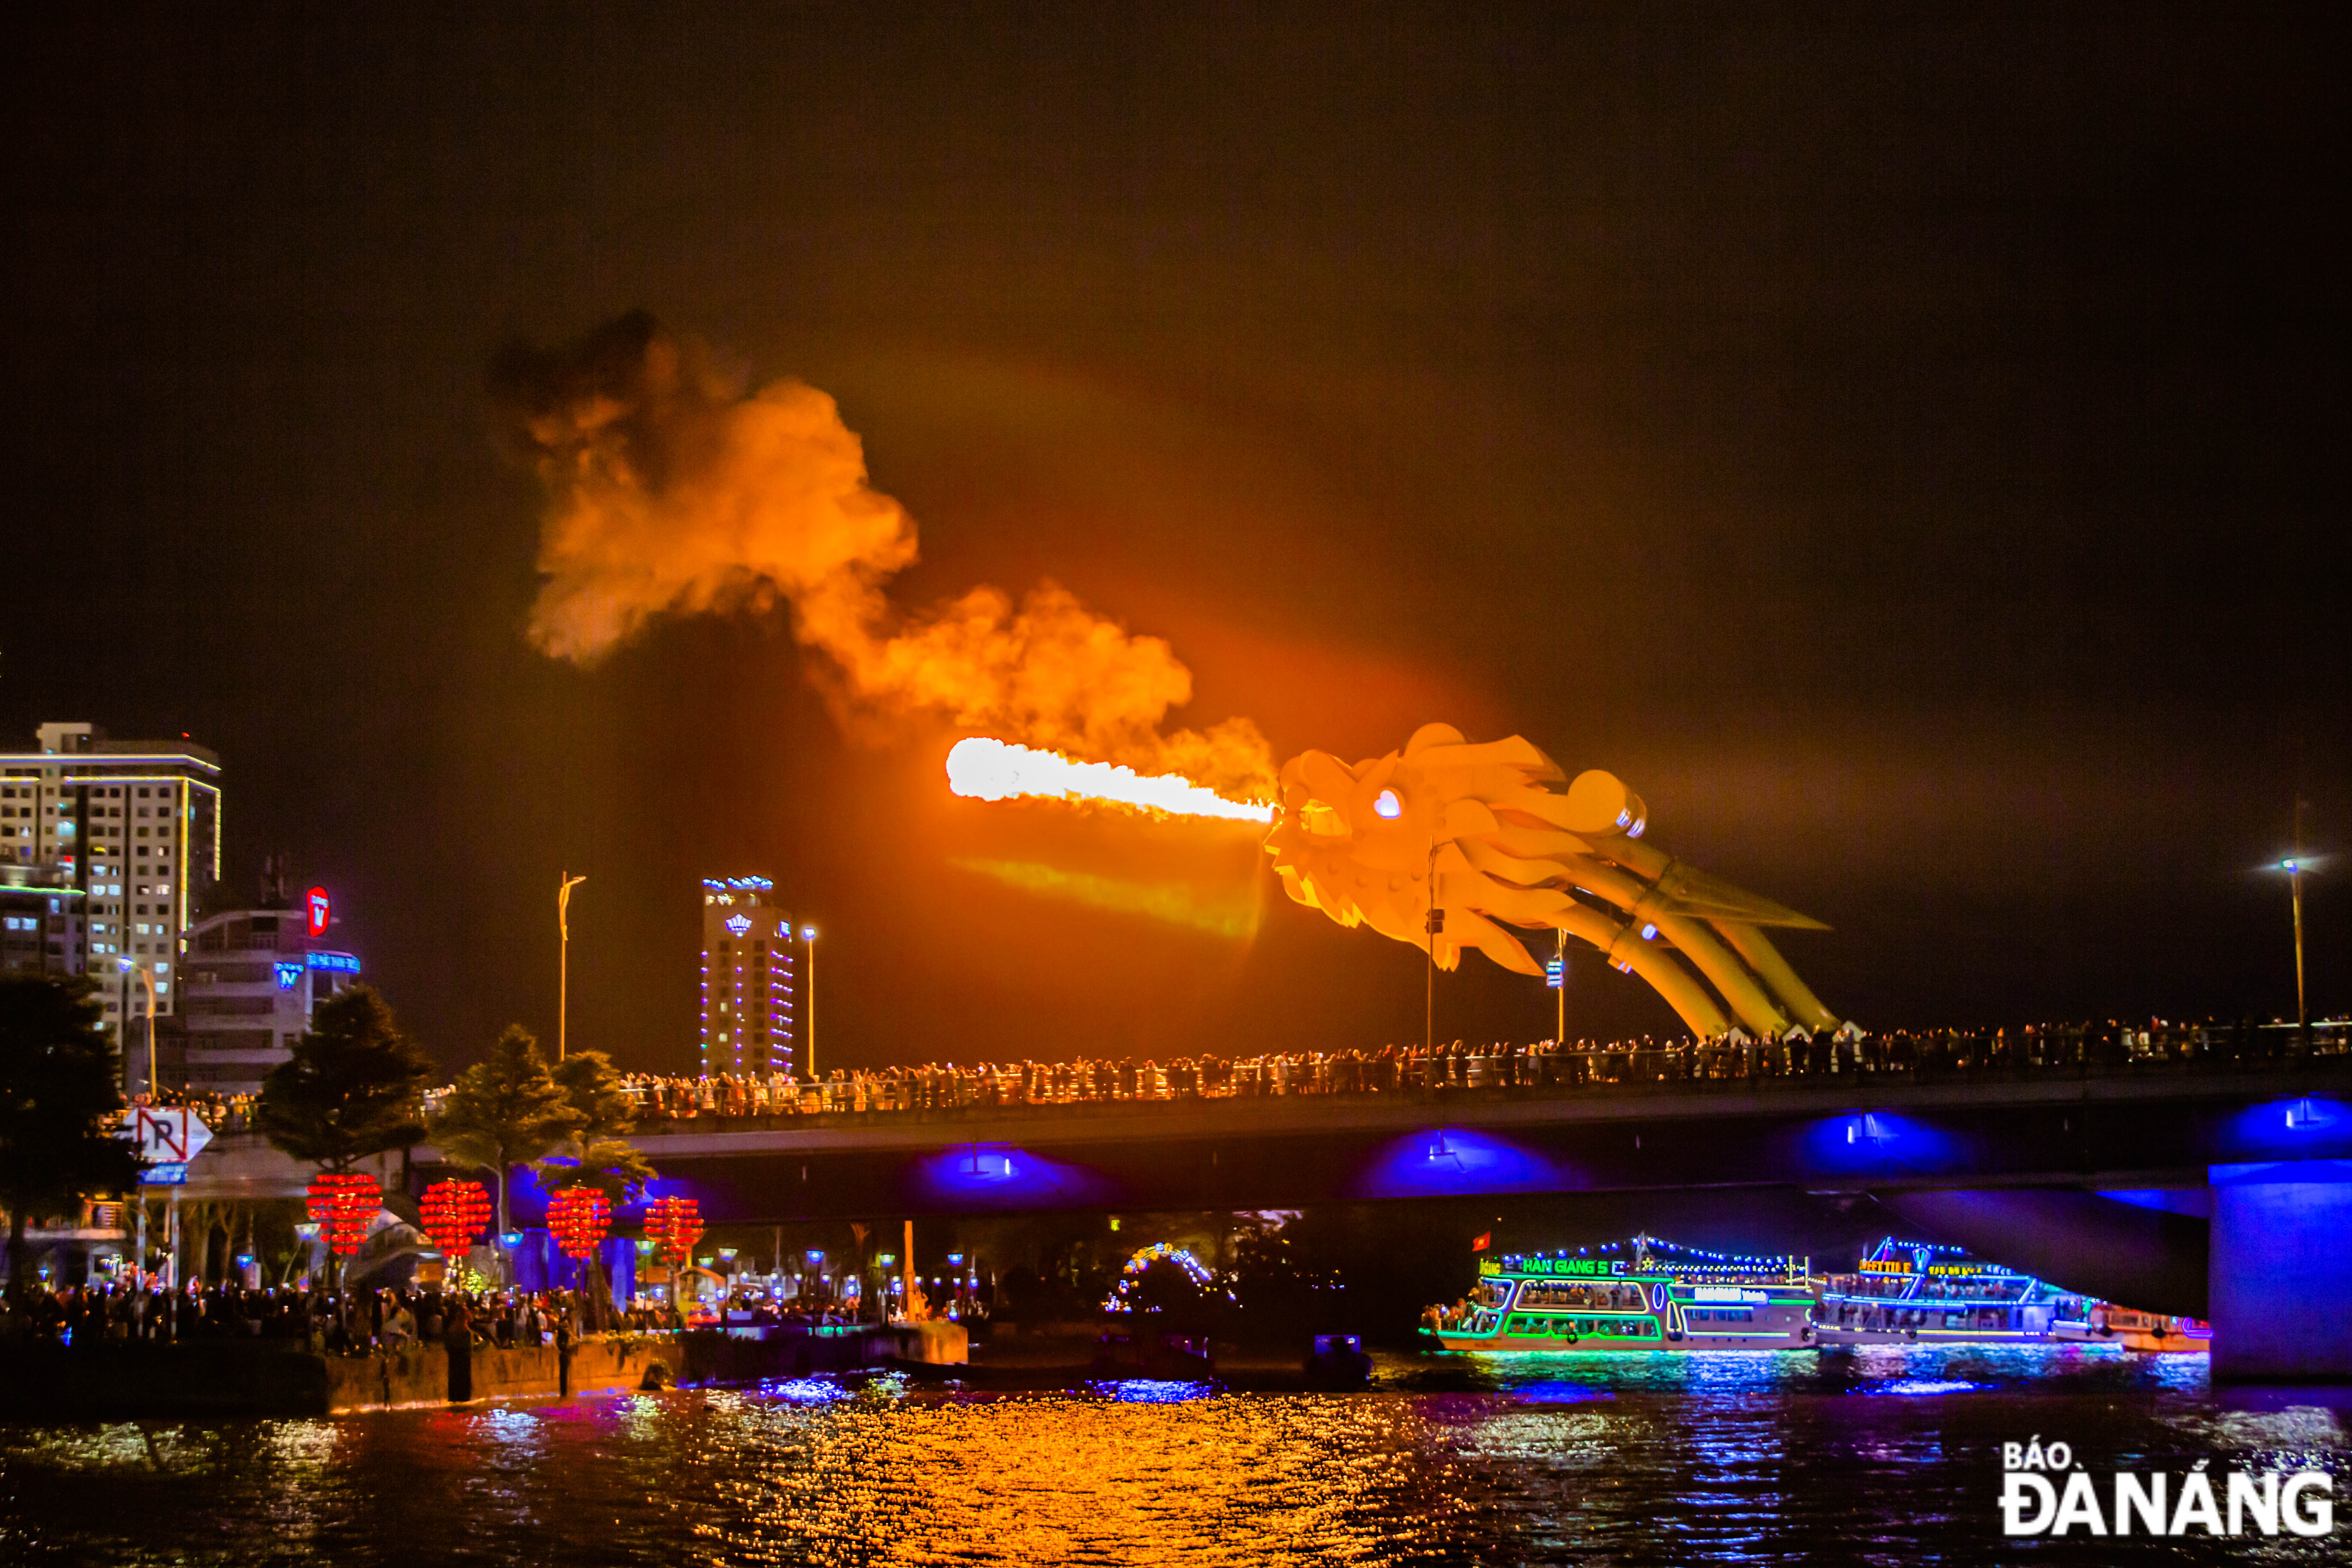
(2280, 1282)
(2128, 1253)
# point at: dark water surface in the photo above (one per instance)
(1885, 1457)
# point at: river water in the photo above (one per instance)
(1875, 1457)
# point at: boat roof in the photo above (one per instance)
(1646, 1257)
(1893, 1255)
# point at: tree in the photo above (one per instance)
(60, 1105)
(592, 1085)
(272, 1237)
(353, 1086)
(505, 1111)
(198, 1220)
(598, 1152)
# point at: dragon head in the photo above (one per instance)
(1488, 834)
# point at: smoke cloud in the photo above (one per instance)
(672, 490)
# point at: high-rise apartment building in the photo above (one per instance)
(107, 851)
(748, 1021)
(249, 981)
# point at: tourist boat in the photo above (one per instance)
(1642, 1295)
(2151, 1332)
(1916, 1292)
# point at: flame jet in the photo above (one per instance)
(1481, 833)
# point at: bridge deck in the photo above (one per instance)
(1274, 1116)
(2148, 1125)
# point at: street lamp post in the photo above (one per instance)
(2294, 866)
(1560, 983)
(131, 966)
(172, 1223)
(808, 1003)
(563, 959)
(1432, 924)
(2294, 869)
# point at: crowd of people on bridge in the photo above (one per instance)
(1546, 1067)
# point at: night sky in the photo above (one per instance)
(1906, 445)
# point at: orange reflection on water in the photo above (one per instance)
(1064, 1478)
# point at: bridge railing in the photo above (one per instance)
(1544, 1070)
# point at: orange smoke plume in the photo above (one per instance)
(992, 770)
(672, 492)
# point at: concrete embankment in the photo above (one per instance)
(751, 1356)
(284, 1377)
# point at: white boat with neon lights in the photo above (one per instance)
(1642, 1295)
(2157, 1333)
(1916, 1292)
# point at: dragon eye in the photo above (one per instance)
(1386, 803)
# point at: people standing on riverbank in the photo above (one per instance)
(343, 1322)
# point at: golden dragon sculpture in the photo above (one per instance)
(1485, 835)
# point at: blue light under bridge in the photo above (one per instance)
(1000, 1176)
(1440, 1162)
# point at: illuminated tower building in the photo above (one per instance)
(107, 851)
(747, 1023)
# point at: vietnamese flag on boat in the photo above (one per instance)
(1480, 1245)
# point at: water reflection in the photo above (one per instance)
(1574, 1457)
(1560, 1394)
(805, 1391)
(1152, 1391)
(1924, 1385)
